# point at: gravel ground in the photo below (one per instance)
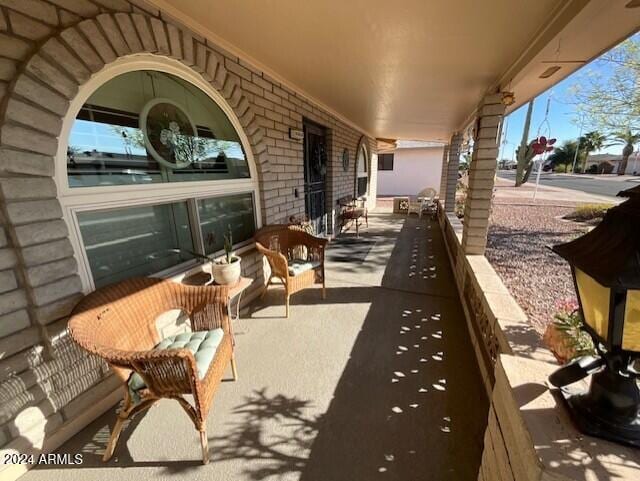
(519, 236)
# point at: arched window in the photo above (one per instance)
(156, 168)
(148, 127)
(362, 169)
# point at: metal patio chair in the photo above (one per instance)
(424, 201)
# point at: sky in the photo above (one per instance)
(561, 123)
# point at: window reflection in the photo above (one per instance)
(108, 147)
(219, 213)
(135, 241)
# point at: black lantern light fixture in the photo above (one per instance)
(605, 264)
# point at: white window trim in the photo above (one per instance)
(362, 145)
(78, 199)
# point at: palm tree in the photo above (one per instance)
(564, 154)
(629, 139)
(590, 142)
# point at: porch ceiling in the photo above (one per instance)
(410, 69)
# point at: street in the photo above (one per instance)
(605, 186)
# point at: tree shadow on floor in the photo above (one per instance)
(268, 455)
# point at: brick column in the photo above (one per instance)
(452, 171)
(443, 174)
(482, 175)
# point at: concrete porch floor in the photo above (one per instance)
(379, 381)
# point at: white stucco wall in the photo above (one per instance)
(413, 170)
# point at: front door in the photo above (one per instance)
(315, 175)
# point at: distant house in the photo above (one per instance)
(507, 164)
(409, 168)
(610, 164)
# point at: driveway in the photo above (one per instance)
(602, 186)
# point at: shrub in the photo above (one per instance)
(577, 338)
(588, 212)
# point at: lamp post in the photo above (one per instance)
(606, 271)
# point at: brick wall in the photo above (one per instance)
(48, 48)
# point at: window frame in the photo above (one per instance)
(95, 198)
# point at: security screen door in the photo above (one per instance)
(315, 175)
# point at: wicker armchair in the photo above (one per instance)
(295, 257)
(117, 323)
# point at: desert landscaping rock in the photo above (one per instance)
(518, 248)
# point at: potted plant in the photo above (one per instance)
(565, 336)
(226, 270)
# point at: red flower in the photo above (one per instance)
(567, 305)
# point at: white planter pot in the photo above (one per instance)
(226, 274)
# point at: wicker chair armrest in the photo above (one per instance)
(345, 209)
(277, 261)
(316, 246)
(314, 242)
(360, 203)
(166, 371)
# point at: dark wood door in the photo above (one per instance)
(315, 175)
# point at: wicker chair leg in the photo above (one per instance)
(113, 439)
(324, 286)
(287, 305)
(234, 368)
(204, 441)
(123, 415)
(200, 425)
(128, 411)
(264, 291)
